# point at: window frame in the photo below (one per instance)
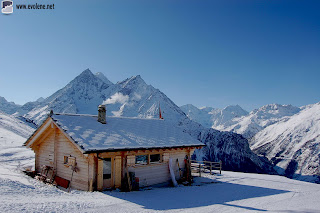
(69, 160)
(154, 162)
(66, 160)
(149, 159)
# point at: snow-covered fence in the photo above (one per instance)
(205, 166)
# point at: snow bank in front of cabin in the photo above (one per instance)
(229, 192)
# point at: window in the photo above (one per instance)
(147, 159)
(65, 161)
(142, 159)
(107, 168)
(154, 158)
(69, 161)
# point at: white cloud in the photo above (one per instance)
(117, 98)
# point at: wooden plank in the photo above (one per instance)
(117, 175)
(61, 182)
(100, 175)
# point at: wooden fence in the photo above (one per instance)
(205, 166)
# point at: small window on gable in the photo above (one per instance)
(142, 159)
(65, 161)
(69, 161)
(155, 158)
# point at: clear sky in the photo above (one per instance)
(203, 52)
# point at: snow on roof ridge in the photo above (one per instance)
(122, 117)
(70, 114)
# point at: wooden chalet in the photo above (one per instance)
(99, 152)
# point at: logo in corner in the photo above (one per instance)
(7, 7)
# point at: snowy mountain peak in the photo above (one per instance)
(236, 110)
(40, 99)
(134, 80)
(82, 95)
(87, 74)
(102, 77)
(189, 107)
(277, 109)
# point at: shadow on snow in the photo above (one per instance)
(195, 196)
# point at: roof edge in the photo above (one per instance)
(142, 148)
(36, 131)
(120, 117)
(80, 148)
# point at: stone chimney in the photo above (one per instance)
(102, 114)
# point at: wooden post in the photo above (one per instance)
(210, 168)
(220, 166)
(90, 185)
(127, 174)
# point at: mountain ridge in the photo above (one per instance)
(293, 144)
(132, 97)
(235, 119)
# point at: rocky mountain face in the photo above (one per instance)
(134, 98)
(293, 144)
(234, 152)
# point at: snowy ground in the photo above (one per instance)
(232, 192)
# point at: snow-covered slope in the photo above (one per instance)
(11, 125)
(293, 144)
(17, 125)
(103, 78)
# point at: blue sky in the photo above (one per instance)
(208, 53)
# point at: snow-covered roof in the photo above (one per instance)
(121, 133)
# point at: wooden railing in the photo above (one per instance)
(205, 166)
